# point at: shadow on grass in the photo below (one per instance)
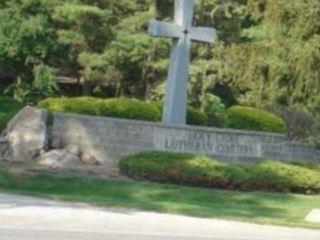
(254, 207)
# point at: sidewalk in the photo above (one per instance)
(26, 213)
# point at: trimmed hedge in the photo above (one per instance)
(8, 108)
(81, 105)
(118, 108)
(245, 118)
(206, 172)
(130, 109)
(194, 116)
(248, 118)
(281, 177)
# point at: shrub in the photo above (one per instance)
(45, 83)
(182, 169)
(308, 165)
(9, 105)
(80, 105)
(4, 119)
(84, 105)
(194, 116)
(53, 104)
(8, 108)
(206, 172)
(248, 118)
(118, 108)
(281, 177)
(131, 109)
(300, 125)
(215, 111)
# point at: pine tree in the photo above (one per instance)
(27, 39)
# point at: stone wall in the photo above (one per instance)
(109, 139)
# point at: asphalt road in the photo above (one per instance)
(25, 218)
(54, 235)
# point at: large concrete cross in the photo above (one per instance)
(182, 33)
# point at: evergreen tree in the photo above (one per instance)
(268, 51)
(136, 62)
(27, 39)
(280, 61)
(82, 29)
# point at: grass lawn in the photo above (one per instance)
(264, 208)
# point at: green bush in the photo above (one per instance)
(53, 104)
(215, 111)
(4, 119)
(206, 172)
(131, 109)
(8, 108)
(248, 118)
(118, 108)
(182, 169)
(194, 116)
(80, 105)
(281, 177)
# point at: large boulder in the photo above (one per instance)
(73, 149)
(89, 160)
(59, 159)
(25, 136)
(4, 146)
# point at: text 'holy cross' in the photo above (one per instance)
(182, 33)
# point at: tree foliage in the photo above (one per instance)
(279, 61)
(27, 39)
(268, 50)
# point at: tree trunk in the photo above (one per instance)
(119, 90)
(78, 85)
(18, 84)
(86, 88)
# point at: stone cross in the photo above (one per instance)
(182, 33)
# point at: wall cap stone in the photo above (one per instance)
(177, 126)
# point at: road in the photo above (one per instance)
(27, 218)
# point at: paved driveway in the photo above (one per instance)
(25, 218)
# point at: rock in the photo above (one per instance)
(25, 135)
(56, 141)
(59, 159)
(41, 152)
(4, 145)
(89, 160)
(314, 216)
(73, 149)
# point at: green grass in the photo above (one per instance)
(263, 208)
